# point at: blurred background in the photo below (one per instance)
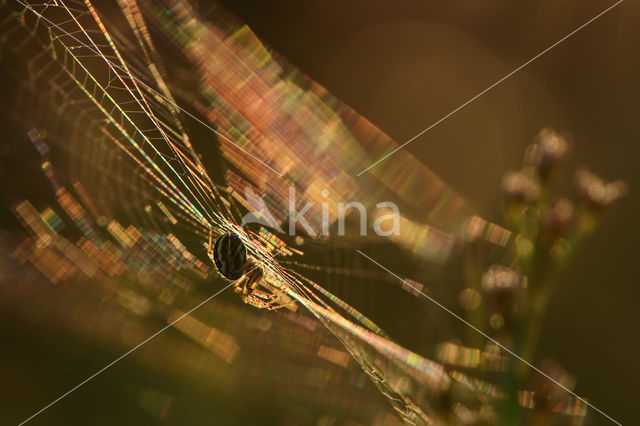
(402, 66)
(406, 65)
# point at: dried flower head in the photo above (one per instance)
(547, 393)
(500, 279)
(521, 186)
(547, 149)
(556, 221)
(597, 193)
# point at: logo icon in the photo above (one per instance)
(261, 213)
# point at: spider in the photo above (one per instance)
(230, 257)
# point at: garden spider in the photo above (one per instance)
(230, 257)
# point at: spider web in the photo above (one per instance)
(98, 92)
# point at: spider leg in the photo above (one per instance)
(253, 295)
(267, 299)
(253, 278)
(282, 305)
(238, 286)
(264, 300)
(263, 295)
(210, 245)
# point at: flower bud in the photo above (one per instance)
(556, 221)
(547, 394)
(501, 280)
(520, 186)
(595, 192)
(547, 150)
(501, 285)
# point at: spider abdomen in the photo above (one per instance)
(230, 256)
